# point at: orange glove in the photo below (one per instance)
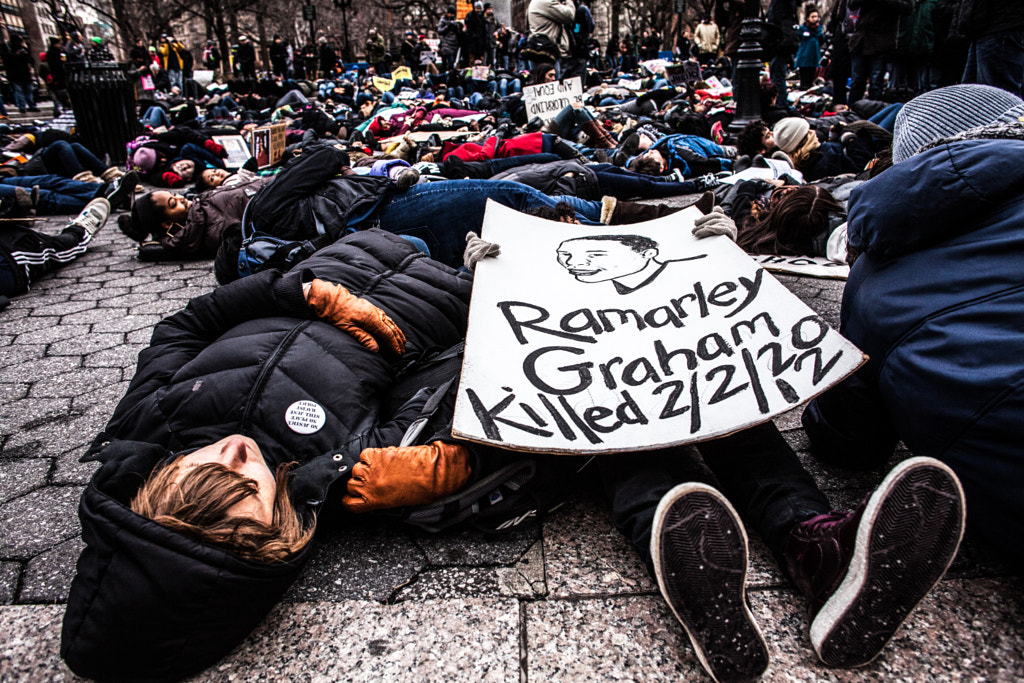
(410, 475)
(361, 319)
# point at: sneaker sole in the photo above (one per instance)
(908, 536)
(699, 548)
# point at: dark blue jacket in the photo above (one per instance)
(937, 302)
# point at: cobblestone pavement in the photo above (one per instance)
(568, 601)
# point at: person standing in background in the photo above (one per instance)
(808, 55)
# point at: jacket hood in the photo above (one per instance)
(149, 604)
(935, 195)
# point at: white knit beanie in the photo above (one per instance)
(790, 133)
(947, 111)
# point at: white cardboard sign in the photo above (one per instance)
(547, 99)
(598, 339)
(809, 266)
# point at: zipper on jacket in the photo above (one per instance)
(261, 380)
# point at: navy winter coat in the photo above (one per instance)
(937, 302)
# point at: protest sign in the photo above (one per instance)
(767, 169)
(428, 57)
(203, 77)
(481, 73)
(402, 73)
(234, 145)
(267, 144)
(598, 339)
(383, 84)
(655, 65)
(810, 266)
(547, 99)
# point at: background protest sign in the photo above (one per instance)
(383, 84)
(597, 339)
(547, 99)
(234, 145)
(810, 266)
(402, 73)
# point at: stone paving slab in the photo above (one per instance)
(567, 600)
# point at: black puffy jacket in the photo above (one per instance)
(148, 604)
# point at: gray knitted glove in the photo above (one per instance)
(476, 249)
(714, 223)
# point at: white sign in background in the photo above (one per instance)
(547, 99)
(808, 266)
(581, 342)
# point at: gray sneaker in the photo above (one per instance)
(699, 549)
(93, 217)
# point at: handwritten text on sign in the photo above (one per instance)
(589, 339)
(547, 99)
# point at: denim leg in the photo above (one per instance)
(292, 97)
(777, 72)
(86, 158)
(59, 158)
(156, 117)
(876, 69)
(198, 154)
(859, 76)
(50, 202)
(19, 96)
(762, 477)
(624, 184)
(887, 117)
(588, 211)
(442, 213)
(999, 60)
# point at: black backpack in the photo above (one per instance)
(507, 490)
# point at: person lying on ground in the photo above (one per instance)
(934, 299)
(27, 254)
(53, 195)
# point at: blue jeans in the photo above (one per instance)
(441, 214)
(175, 77)
(70, 158)
(887, 117)
(868, 70)
(23, 98)
(508, 87)
(570, 121)
(200, 156)
(997, 60)
(57, 195)
(155, 117)
(624, 184)
(292, 97)
(777, 69)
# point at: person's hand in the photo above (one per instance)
(367, 324)
(411, 475)
(714, 223)
(476, 249)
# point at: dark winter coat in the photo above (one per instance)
(448, 30)
(18, 62)
(148, 604)
(878, 26)
(212, 214)
(937, 302)
(974, 18)
(556, 178)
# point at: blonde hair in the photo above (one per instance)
(197, 505)
(803, 153)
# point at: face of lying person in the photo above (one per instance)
(657, 156)
(214, 177)
(241, 455)
(184, 168)
(173, 206)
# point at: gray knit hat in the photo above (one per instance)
(947, 111)
(790, 133)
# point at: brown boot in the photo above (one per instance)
(624, 213)
(597, 136)
(111, 174)
(87, 177)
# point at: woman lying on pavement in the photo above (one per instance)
(247, 381)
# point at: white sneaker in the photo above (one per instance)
(93, 216)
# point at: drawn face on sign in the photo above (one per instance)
(607, 257)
